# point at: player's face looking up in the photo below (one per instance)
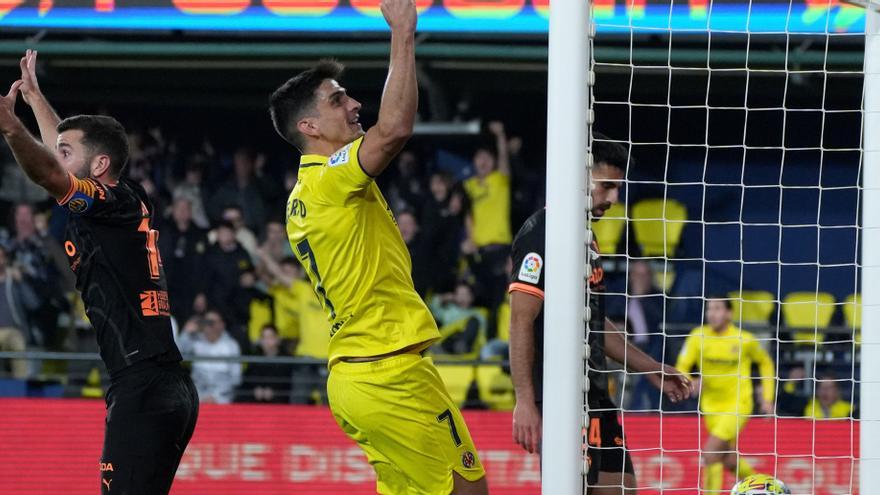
(607, 181)
(335, 118)
(717, 314)
(77, 158)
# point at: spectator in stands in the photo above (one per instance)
(462, 326)
(192, 187)
(407, 186)
(793, 397)
(248, 189)
(299, 309)
(182, 245)
(42, 271)
(828, 403)
(641, 315)
(243, 235)
(419, 251)
(443, 227)
(488, 223)
(224, 264)
(206, 337)
(267, 382)
(284, 280)
(251, 310)
(16, 302)
(275, 242)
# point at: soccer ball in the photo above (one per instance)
(760, 484)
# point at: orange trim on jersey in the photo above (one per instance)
(70, 192)
(528, 289)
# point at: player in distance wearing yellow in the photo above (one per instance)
(724, 354)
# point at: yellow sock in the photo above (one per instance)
(713, 476)
(744, 469)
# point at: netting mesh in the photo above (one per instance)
(745, 142)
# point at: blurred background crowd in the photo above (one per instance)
(236, 289)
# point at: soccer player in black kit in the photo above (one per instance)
(611, 470)
(152, 404)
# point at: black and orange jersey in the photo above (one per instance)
(528, 277)
(112, 250)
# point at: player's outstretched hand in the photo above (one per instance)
(7, 108)
(674, 383)
(527, 426)
(400, 15)
(30, 88)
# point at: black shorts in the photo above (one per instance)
(607, 447)
(151, 415)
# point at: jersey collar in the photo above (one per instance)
(312, 160)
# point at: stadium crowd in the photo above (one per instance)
(236, 288)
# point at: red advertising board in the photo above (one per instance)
(53, 446)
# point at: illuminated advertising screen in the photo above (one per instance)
(437, 16)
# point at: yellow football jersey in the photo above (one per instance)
(725, 361)
(840, 409)
(490, 202)
(341, 229)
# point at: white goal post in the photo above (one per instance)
(869, 468)
(564, 376)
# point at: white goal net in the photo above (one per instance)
(743, 123)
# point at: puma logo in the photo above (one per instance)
(106, 482)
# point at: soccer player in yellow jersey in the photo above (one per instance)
(382, 392)
(724, 355)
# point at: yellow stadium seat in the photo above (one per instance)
(852, 315)
(658, 225)
(495, 386)
(852, 311)
(756, 306)
(608, 232)
(808, 310)
(93, 389)
(458, 379)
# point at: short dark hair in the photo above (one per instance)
(728, 303)
(102, 135)
(609, 152)
(225, 224)
(296, 97)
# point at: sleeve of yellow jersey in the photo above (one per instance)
(689, 355)
(344, 177)
(766, 368)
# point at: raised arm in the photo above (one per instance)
(397, 113)
(47, 119)
(37, 161)
(497, 130)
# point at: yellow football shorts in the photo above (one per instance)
(399, 412)
(726, 425)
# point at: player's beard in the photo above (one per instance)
(84, 170)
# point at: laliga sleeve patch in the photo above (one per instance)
(530, 271)
(341, 157)
(80, 202)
